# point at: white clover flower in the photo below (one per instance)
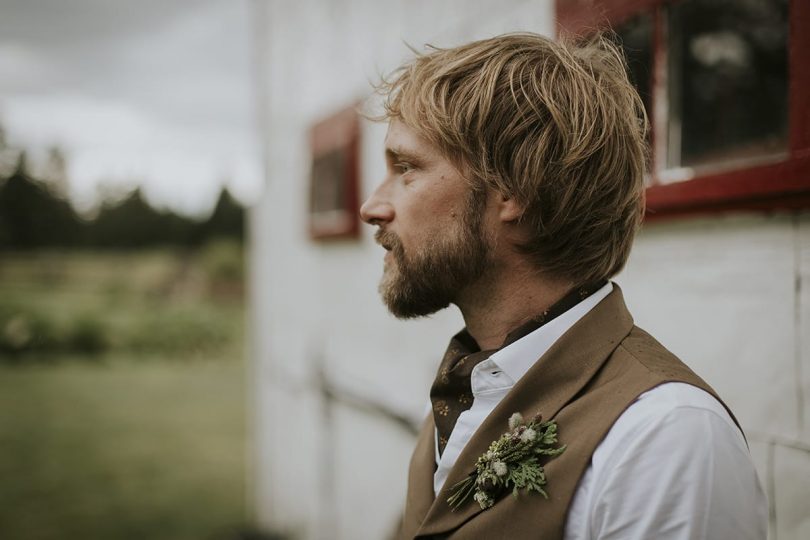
(528, 435)
(483, 500)
(515, 420)
(500, 468)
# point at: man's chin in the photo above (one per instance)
(404, 305)
(404, 311)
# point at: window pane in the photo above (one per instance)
(329, 181)
(727, 80)
(635, 38)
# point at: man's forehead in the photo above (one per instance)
(402, 139)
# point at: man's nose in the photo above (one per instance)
(377, 210)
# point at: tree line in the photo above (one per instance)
(33, 216)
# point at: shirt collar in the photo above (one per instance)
(516, 358)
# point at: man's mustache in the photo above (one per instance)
(387, 239)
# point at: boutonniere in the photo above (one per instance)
(513, 461)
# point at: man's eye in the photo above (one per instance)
(403, 167)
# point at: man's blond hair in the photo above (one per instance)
(556, 126)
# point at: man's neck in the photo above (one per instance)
(498, 305)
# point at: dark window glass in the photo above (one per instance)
(727, 80)
(329, 182)
(635, 38)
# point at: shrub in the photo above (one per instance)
(177, 331)
(25, 330)
(88, 335)
(223, 260)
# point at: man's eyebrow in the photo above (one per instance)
(396, 153)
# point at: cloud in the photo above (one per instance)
(21, 67)
(154, 92)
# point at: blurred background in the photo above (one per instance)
(128, 157)
(191, 341)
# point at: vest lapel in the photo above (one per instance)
(420, 480)
(552, 382)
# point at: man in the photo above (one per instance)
(514, 189)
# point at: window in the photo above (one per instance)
(726, 85)
(333, 189)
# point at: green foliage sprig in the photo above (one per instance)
(511, 462)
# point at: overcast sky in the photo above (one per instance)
(157, 92)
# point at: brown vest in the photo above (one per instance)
(584, 382)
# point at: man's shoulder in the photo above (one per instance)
(671, 403)
(675, 415)
(675, 453)
(642, 355)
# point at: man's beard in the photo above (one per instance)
(431, 278)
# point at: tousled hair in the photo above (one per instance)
(555, 125)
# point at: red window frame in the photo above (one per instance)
(340, 132)
(780, 184)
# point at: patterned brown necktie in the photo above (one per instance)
(451, 393)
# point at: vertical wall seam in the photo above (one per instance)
(797, 322)
(770, 487)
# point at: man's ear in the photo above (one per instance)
(509, 210)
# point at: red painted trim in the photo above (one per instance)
(770, 204)
(778, 185)
(799, 73)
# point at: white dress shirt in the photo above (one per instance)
(673, 466)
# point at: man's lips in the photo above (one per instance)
(390, 242)
(381, 239)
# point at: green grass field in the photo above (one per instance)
(144, 443)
